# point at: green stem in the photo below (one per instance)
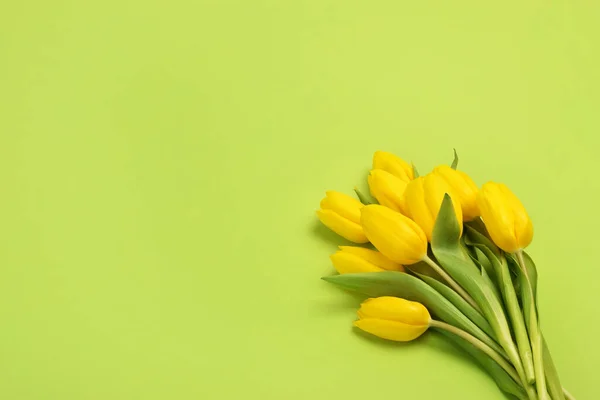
(568, 395)
(453, 284)
(535, 337)
(479, 344)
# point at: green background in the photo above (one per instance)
(161, 163)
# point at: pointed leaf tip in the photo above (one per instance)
(415, 172)
(455, 161)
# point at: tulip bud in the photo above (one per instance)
(350, 260)
(393, 164)
(397, 237)
(387, 189)
(341, 214)
(463, 187)
(423, 198)
(505, 217)
(393, 318)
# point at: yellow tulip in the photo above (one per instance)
(423, 198)
(397, 237)
(505, 217)
(393, 164)
(463, 187)
(393, 318)
(341, 213)
(351, 260)
(387, 189)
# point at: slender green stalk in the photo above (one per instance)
(568, 395)
(479, 344)
(453, 284)
(535, 337)
(516, 317)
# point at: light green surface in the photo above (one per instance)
(160, 164)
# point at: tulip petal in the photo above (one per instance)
(414, 200)
(394, 235)
(505, 217)
(395, 309)
(463, 187)
(391, 330)
(342, 226)
(348, 207)
(347, 263)
(393, 164)
(387, 189)
(373, 257)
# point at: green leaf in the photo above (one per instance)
(460, 303)
(399, 284)
(554, 386)
(445, 244)
(362, 197)
(512, 306)
(491, 284)
(482, 261)
(415, 172)
(475, 236)
(525, 294)
(455, 161)
(502, 379)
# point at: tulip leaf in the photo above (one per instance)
(455, 161)
(552, 378)
(475, 236)
(415, 172)
(503, 380)
(514, 312)
(362, 197)
(491, 284)
(446, 247)
(399, 284)
(459, 302)
(554, 386)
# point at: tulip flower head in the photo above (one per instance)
(423, 198)
(393, 318)
(505, 217)
(463, 187)
(341, 213)
(394, 165)
(387, 189)
(350, 260)
(397, 237)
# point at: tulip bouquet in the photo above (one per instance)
(440, 253)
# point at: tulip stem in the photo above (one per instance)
(534, 335)
(453, 284)
(568, 395)
(479, 344)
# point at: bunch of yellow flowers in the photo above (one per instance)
(440, 252)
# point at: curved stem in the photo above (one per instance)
(479, 344)
(568, 395)
(453, 284)
(535, 337)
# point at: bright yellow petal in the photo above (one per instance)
(343, 227)
(391, 330)
(394, 235)
(523, 227)
(387, 189)
(498, 216)
(348, 207)
(435, 188)
(416, 206)
(463, 187)
(346, 263)
(395, 309)
(393, 164)
(373, 257)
